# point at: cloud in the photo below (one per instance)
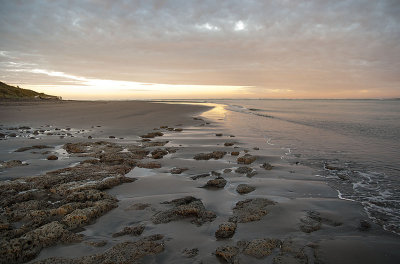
(309, 47)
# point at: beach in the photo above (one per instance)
(153, 182)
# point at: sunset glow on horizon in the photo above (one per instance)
(195, 50)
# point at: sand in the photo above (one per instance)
(291, 216)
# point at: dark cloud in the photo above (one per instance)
(309, 47)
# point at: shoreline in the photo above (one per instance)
(301, 214)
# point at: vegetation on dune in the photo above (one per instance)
(12, 92)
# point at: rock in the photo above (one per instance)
(226, 230)
(152, 135)
(196, 177)
(187, 207)
(292, 253)
(89, 137)
(12, 164)
(228, 144)
(33, 147)
(244, 170)
(190, 252)
(219, 134)
(364, 225)
(178, 129)
(333, 167)
(256, 148)
(111, 137)
(244, 188)
(235, 153)
(2, 135)
(246, 159)
(227, 253)
(216, 183)
(227, 170)
(158, 153)
(259, 248)
(251, 209)
(130, 230)
(266, 166)
(178, 170)
(213, 155)
(52, 157)
(149, 165)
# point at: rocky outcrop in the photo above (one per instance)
(259, 248)
(313, 220)
(158, 153)
(251, 209)
(182, 208)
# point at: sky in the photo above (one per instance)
(93, 49)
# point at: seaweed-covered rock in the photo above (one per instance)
(246, 159)
(244, 188)
(130, 230)
(251, 209)
(213, 155)
(229, 144)
(216, 183)
(235, 153)
(187, 207)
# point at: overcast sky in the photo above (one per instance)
(193, 49)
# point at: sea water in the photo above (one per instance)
(354, 144)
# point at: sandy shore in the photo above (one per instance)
(195, 190)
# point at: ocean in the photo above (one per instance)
(354, 144)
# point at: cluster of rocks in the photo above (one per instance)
(226, 229)
(182, 208)
(246, 170)
(44, 210)
(33, 133)
(282, 251)
(125, 252)
(12, 164)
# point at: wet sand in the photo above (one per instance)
(294, 216)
